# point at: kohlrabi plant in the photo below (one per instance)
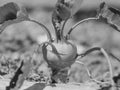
(62, 52)
(59, 52)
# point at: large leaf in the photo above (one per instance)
(67, 8)
(10, 14)
(64, 9)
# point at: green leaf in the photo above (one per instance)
(8, 12)
(64, 9)
(74, 5)
(111, 14)
(11, 14)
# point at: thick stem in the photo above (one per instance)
(62, 30)
(59, 25)
(56, 26)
